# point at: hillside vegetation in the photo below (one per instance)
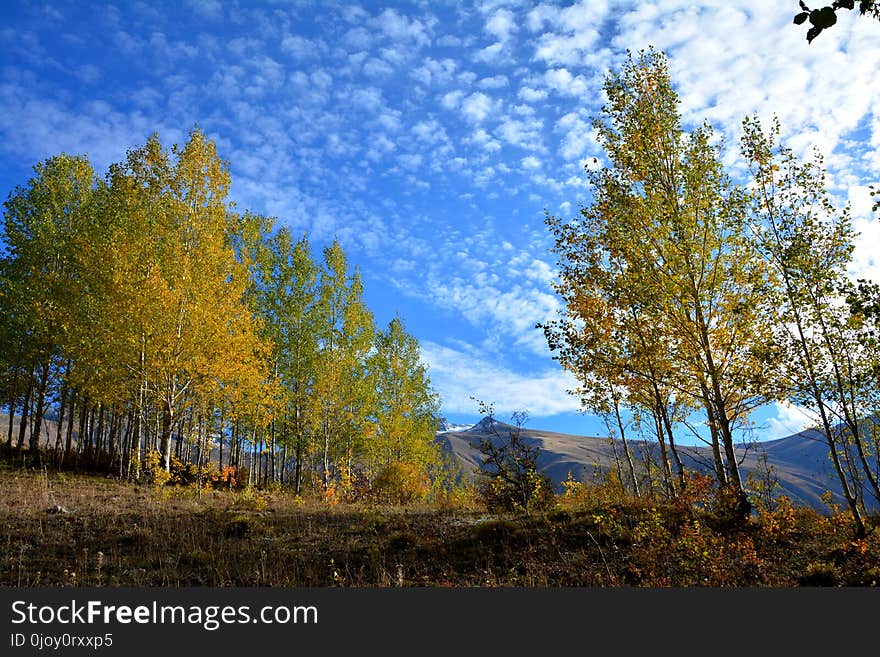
(63, 529)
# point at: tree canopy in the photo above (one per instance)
(686, 295)
(161, 328)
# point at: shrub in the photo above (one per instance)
(400, 482)
(183, 473)
(239, 526)
(229, 477)
(187, 474)
(153, 471)
(495, 530)
(730, 507)
(697, 491)
(530, 492)
(509, 472)
(251, 498)
(820, 573)
(346, 484)
(779, 522)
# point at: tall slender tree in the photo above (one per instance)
(819, 347)
(287, 280)
(341, 400)
(664, 246)
(406, 407)
(42, 222)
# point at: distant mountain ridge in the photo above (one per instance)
(445, 425)
(800, 462)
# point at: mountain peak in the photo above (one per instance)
(490, 424)
(445, 425)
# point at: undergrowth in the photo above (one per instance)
(61, 529)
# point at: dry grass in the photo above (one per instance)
(115, 534)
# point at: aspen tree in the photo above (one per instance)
(405, 405)
(667, 250)
(818, 350)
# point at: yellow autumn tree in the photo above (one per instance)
(665, 248)
(176, 297)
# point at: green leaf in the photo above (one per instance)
(823, 18)
(801, 17)
(844, 4)
(812, 33)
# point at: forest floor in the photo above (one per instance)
(63, 529)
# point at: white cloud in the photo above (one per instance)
(494, 82)
(379, 146)
(531, 95)
(578, 137)
(376, 68)
(88, 73)
(501, 24)
(566, 50)
(866, 256)
(485, 141)
(728, 62)
(397, 28)
(477, 106)
(466, 78)
(450, 41)
(540, 16)
(210, 9)
(788, 420)
(451, 100)
(299, 47)
(531, 162)
(358, 38)
(321, 79)
(525, 133)
(435, 71)
(461, 375)
(411, 161)
(562, 81)
(369, 98)
(490, 54)
(430, 132)
(576, 32)
(394, 55)
(512, 304)
(35, 128)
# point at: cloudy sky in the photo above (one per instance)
(430, 137)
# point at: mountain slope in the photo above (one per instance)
(800, 463)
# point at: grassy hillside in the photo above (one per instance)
(799, 465)
(76, 530)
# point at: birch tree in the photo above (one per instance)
(406, 407)
(669, 229)
(821, 350)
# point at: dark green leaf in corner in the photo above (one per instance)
(823, 18)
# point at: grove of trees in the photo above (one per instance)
(164, 333)
(690, 299)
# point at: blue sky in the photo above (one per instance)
(430, 137)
